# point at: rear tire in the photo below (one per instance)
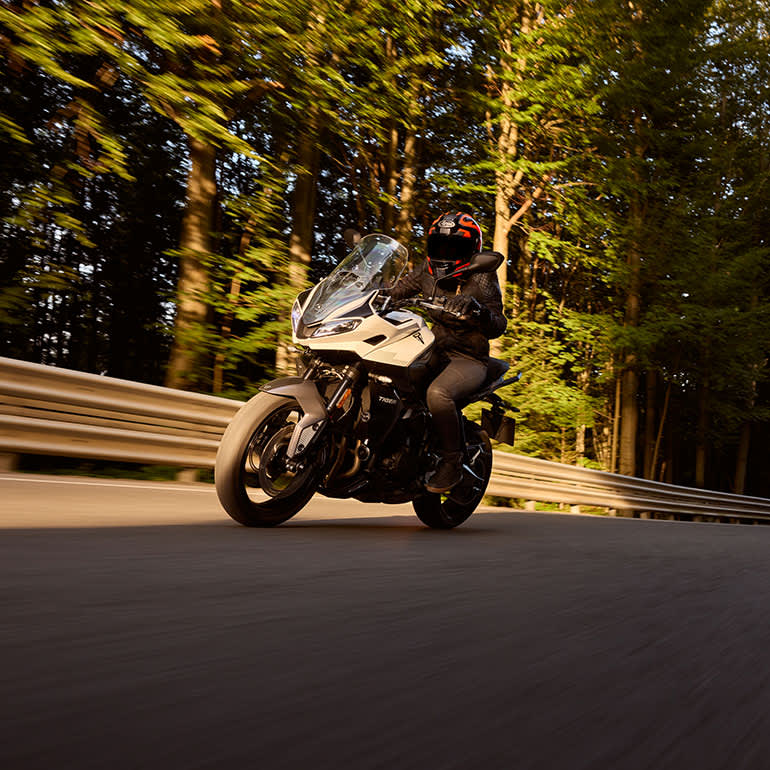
(449, 510)
(259, 430)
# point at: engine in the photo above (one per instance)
(400, 461)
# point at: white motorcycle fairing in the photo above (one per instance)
(397, 339)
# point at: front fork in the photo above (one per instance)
(316, 413)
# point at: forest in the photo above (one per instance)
(174, 173)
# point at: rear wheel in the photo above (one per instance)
(255, 484)
(445, 511)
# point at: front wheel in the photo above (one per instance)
(445, 511)
(254, 483)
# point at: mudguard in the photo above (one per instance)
(315, 415)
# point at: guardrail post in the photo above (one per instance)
(574, 509)
(530, 505)
(8, 461)
(188, 475)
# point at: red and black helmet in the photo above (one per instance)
(453, 239)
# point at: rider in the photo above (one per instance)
(472, 316)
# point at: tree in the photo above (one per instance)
(645, 73)
(536, 101)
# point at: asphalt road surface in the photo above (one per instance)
(141, 628)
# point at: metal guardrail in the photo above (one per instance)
(529, 478)
(48, 410)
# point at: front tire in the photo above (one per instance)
(449, 510)
(250, 457)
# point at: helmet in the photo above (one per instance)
(452, 240)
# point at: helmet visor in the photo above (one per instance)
(449, 248)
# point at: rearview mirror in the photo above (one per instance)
(483, 262)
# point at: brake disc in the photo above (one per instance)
(275, 477)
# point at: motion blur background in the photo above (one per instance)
(174, 173)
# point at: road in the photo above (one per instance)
(141, 628)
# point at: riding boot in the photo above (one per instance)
(448, 473)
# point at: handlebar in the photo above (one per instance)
(436, 304)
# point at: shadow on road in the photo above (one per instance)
(366, 527)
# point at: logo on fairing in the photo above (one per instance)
(419, 337)
(386, 400)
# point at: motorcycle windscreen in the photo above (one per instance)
(375, 263)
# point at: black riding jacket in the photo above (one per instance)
(464, 337)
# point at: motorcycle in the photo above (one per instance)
(354, 422)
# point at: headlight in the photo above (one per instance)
(336, 327)
(296, 314)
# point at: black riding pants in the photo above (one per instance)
(461, 377)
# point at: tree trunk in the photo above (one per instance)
(659, 435)
(301, 241)
(629, 420)
(583, 379)
(500, 239)
(629, 409)
(391, 181)
(227, 322)
(391, 165)
(673, 447)
(195, 245)
(502, 230)
(406, 197)
(742, 460)
(629, 417)
(701, 436)
(615, 425)
(651, 383)
(303, 214)
(505, 188)
(580, 443)
(505, 148)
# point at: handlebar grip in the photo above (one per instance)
(473, 312)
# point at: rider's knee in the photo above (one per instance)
(439, 399)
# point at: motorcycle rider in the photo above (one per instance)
(472, 315)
